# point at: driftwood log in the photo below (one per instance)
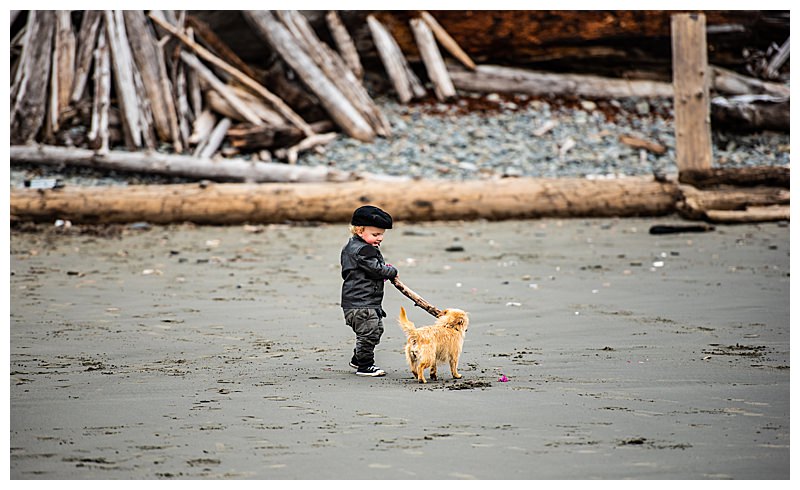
(751, 214)
(493, 78)
(417, 299)
(29, 90)
(752, 112)
(699, 204)
(237, 170)
(516, 198)
(432, 58)
(745, 176)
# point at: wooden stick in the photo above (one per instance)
(447, 41)
(276, 101)
(417, 299)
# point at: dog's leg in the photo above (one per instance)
(433, 372)
(454, 367)
(421, 372)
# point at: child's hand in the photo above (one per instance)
(389, 265)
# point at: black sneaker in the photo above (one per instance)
(371, 371)
(353, 365)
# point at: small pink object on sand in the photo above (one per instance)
(503, 379)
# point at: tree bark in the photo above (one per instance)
(417, 299)
(237, 170)
(520, 198)
(341, 111)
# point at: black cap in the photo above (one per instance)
(371, 216)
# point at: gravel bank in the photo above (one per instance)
(486, 136)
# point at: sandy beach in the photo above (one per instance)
(187, 352)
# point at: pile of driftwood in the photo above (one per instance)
(163, 84)
(161, 81)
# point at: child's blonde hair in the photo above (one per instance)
(356, 230)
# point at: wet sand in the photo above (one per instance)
(189, 352)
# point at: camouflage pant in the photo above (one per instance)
(368, 327)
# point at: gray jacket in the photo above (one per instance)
(363, 271)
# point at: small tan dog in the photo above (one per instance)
(438, 343)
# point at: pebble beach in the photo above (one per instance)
(484, 136)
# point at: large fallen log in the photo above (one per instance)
(514, 198)
(237, 170)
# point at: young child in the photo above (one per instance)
(363, 272)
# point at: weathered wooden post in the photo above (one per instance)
(690, 79)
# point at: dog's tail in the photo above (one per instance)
(406, 324)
